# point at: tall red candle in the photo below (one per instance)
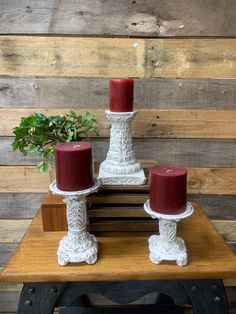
(74, 166)
(121, 95)
(168, 189)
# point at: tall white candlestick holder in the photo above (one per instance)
(167, 246)
(120, 166)
(78, 245)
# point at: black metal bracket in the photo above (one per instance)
(205, 296)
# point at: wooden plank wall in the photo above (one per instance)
(57, 55)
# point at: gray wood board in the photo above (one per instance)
(25, 205)
(187, 152)
(59, 92)
(19, 205)
(128, 18)
(9, 300)
(6, 251)
(232, 246)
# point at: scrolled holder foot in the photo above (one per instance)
(120, 166)
(167, 246)
(78, 245)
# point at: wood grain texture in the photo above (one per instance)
(216, 206)
(219, 124)
(132, 18)
(119, 57)
(27, 179)
(6, 251)
(114, 209)
(25, 205)
(9, 300)
(79, 92)
(219, 261)
(19, 205)
(226, 228)
(13, 230)
(186, 152)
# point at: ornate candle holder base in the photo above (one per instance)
(167, 246)
(78, 245)
(120, 166)
(137, 178)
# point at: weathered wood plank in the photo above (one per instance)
(59, 92)
(219, 124)
(25, 205)
(27, 179)
(132, 18)
(13, 230)
(9, 300)
(23, 179)
(193, 59)
(227, 228)
(19, 205)
(6, 251)
(187, 152)
(69, 56)
(120, 57)
(216, 206)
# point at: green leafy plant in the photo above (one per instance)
(39, 133)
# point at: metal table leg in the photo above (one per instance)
(206, 296)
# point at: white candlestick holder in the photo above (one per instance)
(167, 246)
(120, 166)
(78, 245)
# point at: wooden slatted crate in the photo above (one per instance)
(112, 208)
(108, 210)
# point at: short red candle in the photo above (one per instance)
(121, 95)
(168, 189)
(74, 166)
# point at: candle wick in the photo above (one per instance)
(76, 146)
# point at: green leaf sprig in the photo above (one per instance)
(39, 133)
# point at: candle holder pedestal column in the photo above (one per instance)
(120, 166)
(78, 245)
(167, 246)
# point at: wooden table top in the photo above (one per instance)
(123, 256)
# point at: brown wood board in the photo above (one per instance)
(25, 205)
(13, 230)
(117, 57)
(113, 208)
(209, 256)
(187, 152)
(27, 179)
(153, 123)
(129, 18)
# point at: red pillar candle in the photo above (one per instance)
(168, 189)
(121, 95)
(74, 166)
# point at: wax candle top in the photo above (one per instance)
(74, 166)
(121, 95)
(168, 170)
(70, 146)
(168, 185)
